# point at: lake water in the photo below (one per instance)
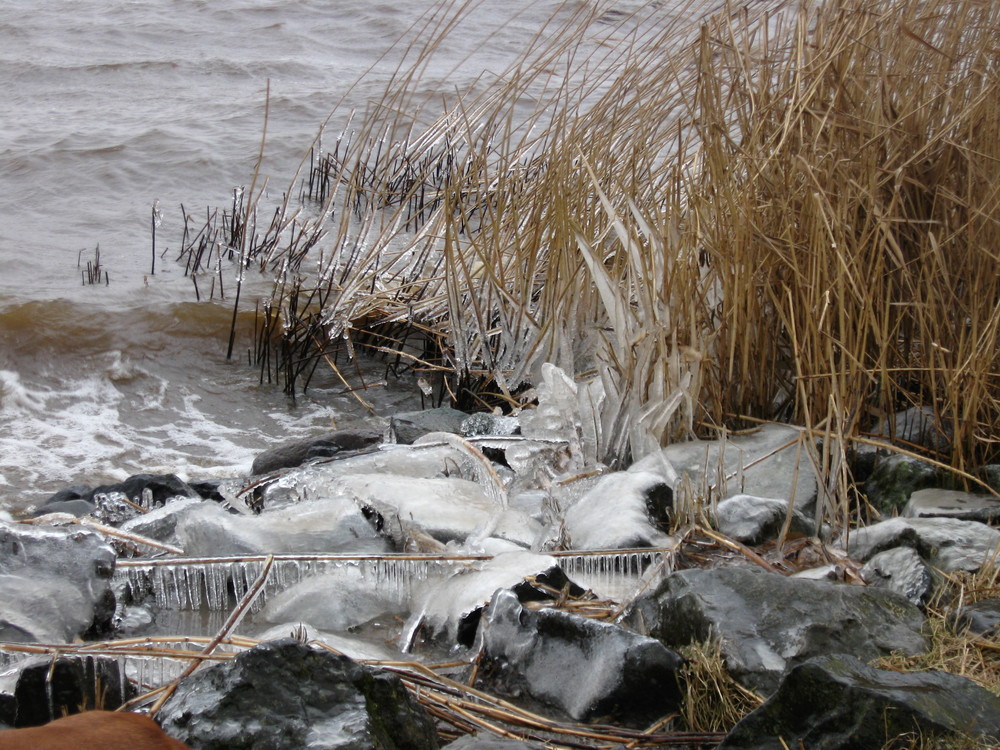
(112, 106)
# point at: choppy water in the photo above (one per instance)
(112, 105)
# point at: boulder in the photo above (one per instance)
(54, 583)
(895, 478)
(980, 618)
(45, 689)
(935, 502)
(284, 695)
(836, 702)
(755, 520)
(901, 570)
(948, 544)
(767, 622)
(337, 444)
(586, 669)
(765, 463)
(407, 427)
(623, 510)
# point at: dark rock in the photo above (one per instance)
(587, 669)
(755, 520)
(284, 695)
(78, 508)
(895, 478)
(54, 583)
(981, 618)
(47, 689)
(407, 427)
(767, 622)
(837, 702)
(148, 491)
(935, 502)
(991, 475)
(328, 445)
(946, 543)
(209, 490)
(901, 570)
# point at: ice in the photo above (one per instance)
(567, 410)
(613, 514)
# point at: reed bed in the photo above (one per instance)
(789, 214)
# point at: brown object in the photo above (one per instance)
(93, 730)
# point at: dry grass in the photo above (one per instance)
(713, 701)
(792, 216)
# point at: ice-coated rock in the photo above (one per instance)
(338, 443)
(54, 583)
(355, 648)
(946, 543)
(623, 510)
(836, 702)
(446, 509)
(767, 622)
(319, 526)
(765, 463)
(901, 570)
(43, 689)
(161, 523)
(407, 427)
(584, 668)
(452, 608)
(334, 602)
(935, 502)
(484, 423)
(489, 742)
(116, 502)
(284, 695)
(755, 520)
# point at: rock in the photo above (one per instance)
(354, 648)
(836, 702)
(895, 478)
(328, 445)
(148, 490)
(916, 426)
(46, 689)
(765, 463)
(832, 572)
(54, 583)
(946, 543)
(755, 520)
(74, 500)
(623, 510)
(335, 602)
(284, 695)
(587, 669)
(990, 473)
(160, 524)
(981, 618)
(406, 427)
(488, 742)
(316, 527)
(451, 609)
(901, 570)
(935, 502)
(767, 622)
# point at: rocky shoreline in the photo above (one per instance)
(554, 585)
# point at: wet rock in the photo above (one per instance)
(54, 583)
(161, 524)
(74, 500)
(623, 510)
(980, 618)
(316, 527)
(895, 478)
(284, 695)
(755, 520)
(765, 463)
(407, 427)
(41, 690)
(901, 570)
(945, 543)
(337, 444)
(767, 622)
(148, 490)
(586, 669)
(836, 702)
(935, 502)
(452, 609)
